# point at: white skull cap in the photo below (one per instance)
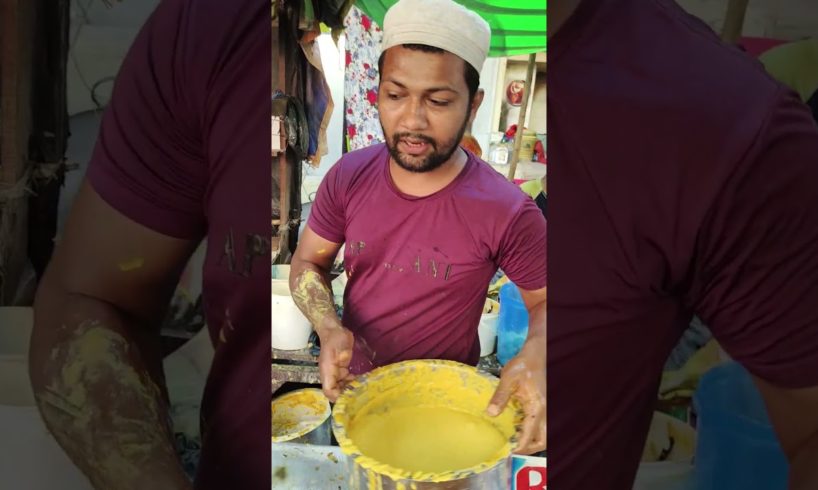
(442, 24)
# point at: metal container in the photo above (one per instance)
(497, 477)
(427, 383)
(302, 416)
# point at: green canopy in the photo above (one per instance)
(517, 26)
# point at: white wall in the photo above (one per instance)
(481, 128)
(537, 119)
(99, 37)
(781, 19)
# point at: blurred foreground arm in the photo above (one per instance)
(95, 359)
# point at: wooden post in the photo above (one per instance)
(49, 137)
(282, 159)
(16, 28)
(734, 21)
(284, 226)
(276, 53)
(518, 137)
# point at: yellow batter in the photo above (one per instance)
(297, 413)
(427, 439)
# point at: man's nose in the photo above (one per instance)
(414, 118)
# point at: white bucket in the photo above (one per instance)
(281, 272)
(290, 329)
(487, 329)
(30, 458)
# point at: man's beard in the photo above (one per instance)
(440, 153)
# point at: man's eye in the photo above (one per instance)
(393, 96)
(440, 103)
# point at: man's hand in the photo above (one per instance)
(313, 294)
(333, 363)
(524, 379)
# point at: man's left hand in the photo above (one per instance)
(524, 379)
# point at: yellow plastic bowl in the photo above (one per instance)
(423, 383)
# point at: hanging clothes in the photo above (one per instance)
(363, 41)
(318, 103)
(332, 12)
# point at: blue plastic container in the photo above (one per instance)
(736, 446)
(512, 324)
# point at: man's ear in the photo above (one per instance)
(475, 104)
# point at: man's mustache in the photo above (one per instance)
(399, 136)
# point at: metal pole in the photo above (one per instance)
(734, 21)
(518, 137)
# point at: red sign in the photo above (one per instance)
(530, 478)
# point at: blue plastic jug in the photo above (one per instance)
(736, 447)
(512, 324)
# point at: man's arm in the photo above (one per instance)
(95, 358)
(524, 377)
(311, 290)
(535, 302)
(794, 416)
(309, 279)
(523, 257)
(755, 280)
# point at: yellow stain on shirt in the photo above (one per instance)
(131, 264)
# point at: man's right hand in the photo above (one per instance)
(333, 362)
(312, 293)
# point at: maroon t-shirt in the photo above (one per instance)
(184, 150)
(419, 267)
(682, 180)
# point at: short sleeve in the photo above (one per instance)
(327, 215)
(756, 268)
(523, 248)
(148, 162)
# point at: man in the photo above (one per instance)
(425, 224)
(183, 155)
(683, 180)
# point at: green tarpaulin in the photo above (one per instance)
(517, 26)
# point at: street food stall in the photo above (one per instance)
(319, 445)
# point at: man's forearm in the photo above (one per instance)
(312, 294)
(96, 396)
(804, 466)
(537, 322)
(535, 344)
